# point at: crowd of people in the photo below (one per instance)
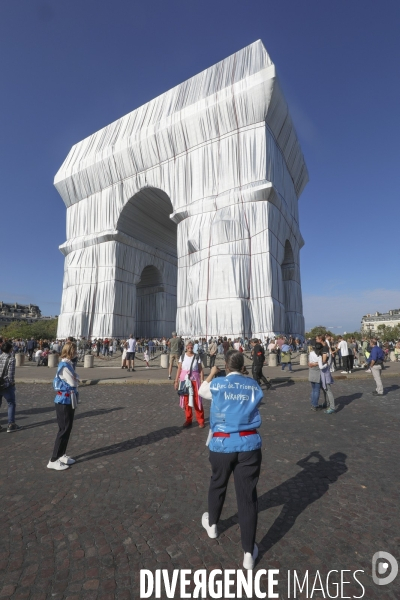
(233, 438)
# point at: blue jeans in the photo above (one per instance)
(288, 364)
(315, 390)
(9, 395)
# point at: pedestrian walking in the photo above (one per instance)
(66, 384)
(213, 349)
(175, 347)
(258, 355)
(146, 357)
(235, 447)
(375, 362)
(286, 357)
(7, 384)
(343, 350)
(31, 347)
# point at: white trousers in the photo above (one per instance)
(376, 374)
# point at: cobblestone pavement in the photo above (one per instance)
(328, 492)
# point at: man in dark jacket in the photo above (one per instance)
(31, 345)
(258, 362)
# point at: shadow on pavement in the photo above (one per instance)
(143, 440)
(36, 411)
(84, 415)
(390, 388)
(282, 384)
(295, 495)
(343, 401)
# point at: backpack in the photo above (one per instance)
(3, 384)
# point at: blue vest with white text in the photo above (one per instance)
(63, 388)
(234, 408)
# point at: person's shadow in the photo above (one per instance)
(298, 492)
(295, 495)
(126, 445)
(343, 401)
(81, 415)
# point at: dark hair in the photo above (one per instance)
(234, 360)
(318, 348)
(6, 347)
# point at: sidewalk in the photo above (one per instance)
(108, 371)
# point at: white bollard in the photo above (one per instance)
(272, 360)
(88, 361)
(19, 360)
(164, 361)
(304, 359)
(52, 360)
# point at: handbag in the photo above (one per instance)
(182, 389)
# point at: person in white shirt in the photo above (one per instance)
(190, 371)
(130, 352)
(38, 355)
(146, 357)
(343, 348)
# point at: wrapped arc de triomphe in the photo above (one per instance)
(183, 214)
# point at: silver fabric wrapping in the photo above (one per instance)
(184, 213)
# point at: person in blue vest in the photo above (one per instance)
(66, 384)
(235, 447)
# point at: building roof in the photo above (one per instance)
(164, 128)
(391, 315)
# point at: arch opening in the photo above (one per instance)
(153, 304)
(288, 267)
(145, 218)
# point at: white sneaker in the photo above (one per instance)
(57, 465)
(67, 460)
(249, 560)
(350, 371)
(367, 371)
(147, 367)
(211, 529)
(345, 372)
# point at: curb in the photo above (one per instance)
(87, 382)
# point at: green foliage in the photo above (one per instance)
(387, 333)
(318, 330)
(42, 329)
(353, 334)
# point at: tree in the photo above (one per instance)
(319, 330)
(41, 329)
(353, 334)
(387, 333)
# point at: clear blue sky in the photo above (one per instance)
(70, 67)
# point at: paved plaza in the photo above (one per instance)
(328, 491)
